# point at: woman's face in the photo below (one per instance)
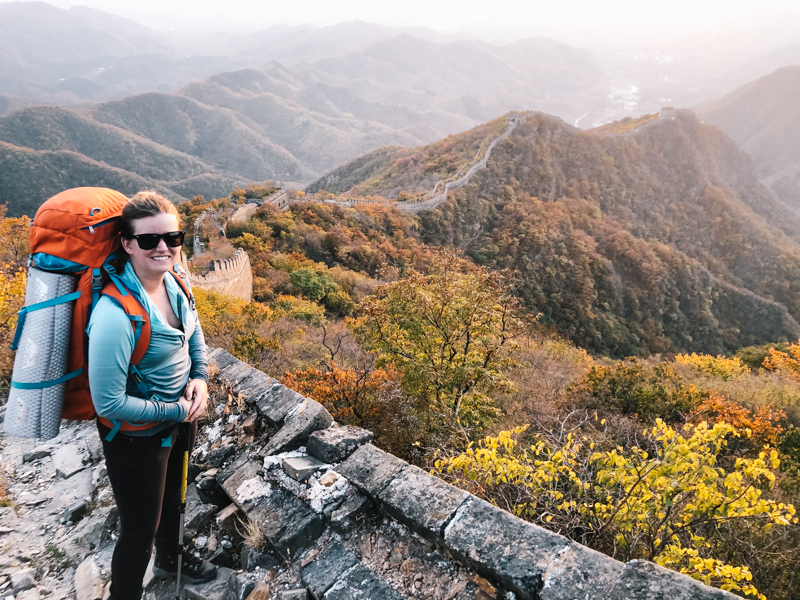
(150, 264)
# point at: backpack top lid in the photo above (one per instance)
(79, 225)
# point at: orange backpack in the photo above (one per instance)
(77, 232)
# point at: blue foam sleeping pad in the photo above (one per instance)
(41, 356)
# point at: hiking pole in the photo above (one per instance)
(184, 481)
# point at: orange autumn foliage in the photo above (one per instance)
(786, 361)
(351, 396)
(764, 423)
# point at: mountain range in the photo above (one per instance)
(659, 239)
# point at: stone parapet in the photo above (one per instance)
(231, 277)
(518, 557)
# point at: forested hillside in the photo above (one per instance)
(654, 241)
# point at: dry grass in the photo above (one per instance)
(252, 534)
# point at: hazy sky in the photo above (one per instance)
(570, 20)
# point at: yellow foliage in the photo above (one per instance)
(233, 323)
(720, 366)
(664, 503)
(12, 299)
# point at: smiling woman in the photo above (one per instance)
(148, 400)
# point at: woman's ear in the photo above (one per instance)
(127, 245)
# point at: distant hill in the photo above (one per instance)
(764, 119)
(208, 147)
(660, 239)
(10, 104)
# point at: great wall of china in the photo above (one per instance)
(282, 199)
(234, 276)
(231, 277)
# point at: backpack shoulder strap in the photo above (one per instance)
(180, 276)
(119, 293)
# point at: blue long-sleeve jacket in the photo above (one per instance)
(172, 357)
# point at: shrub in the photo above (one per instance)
(719, 366)
(667, 500)
(634, 388)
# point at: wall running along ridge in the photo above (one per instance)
(282, 200)
(521, 559)
(232, 277)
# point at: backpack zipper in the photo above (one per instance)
(100, 224)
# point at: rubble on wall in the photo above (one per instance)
(290, 505)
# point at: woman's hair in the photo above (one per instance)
(141, 206)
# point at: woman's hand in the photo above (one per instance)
(197, 395)
(186, 405)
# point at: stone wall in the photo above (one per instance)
(231, 277)
(437, 199)
(242, 214)
(520, 559)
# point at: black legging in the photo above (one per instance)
(146, 479)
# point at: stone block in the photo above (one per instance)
(370, 469)
(580, 573)
(198, 514)
(229, 521)
(329, 566)
(422, 501)
(65, 491)
(74, 512)
(88, 582)
(643, 580)
(276, 401)
(502, 547)
(23, 580)
(234, 373)
(252, 386)
(334, 444)
(295, 594)
(307, 418)
(344, 518)
(240, 587)
(232, 475)
(220, 358)
(68, 460)
(94, 448)
(359, 583)
(216, 589)
(222, 558)
(256, 559)
(301, 467)
(37, 453)
(217, 456)
(249, 424)
(287, 522)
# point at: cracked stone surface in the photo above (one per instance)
(422, 502)
(334, 444)
(371, 469)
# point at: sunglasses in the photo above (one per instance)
(148, 241)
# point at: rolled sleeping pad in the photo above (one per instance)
(36, 395)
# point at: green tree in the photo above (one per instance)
(313, 284)
(447, 332)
